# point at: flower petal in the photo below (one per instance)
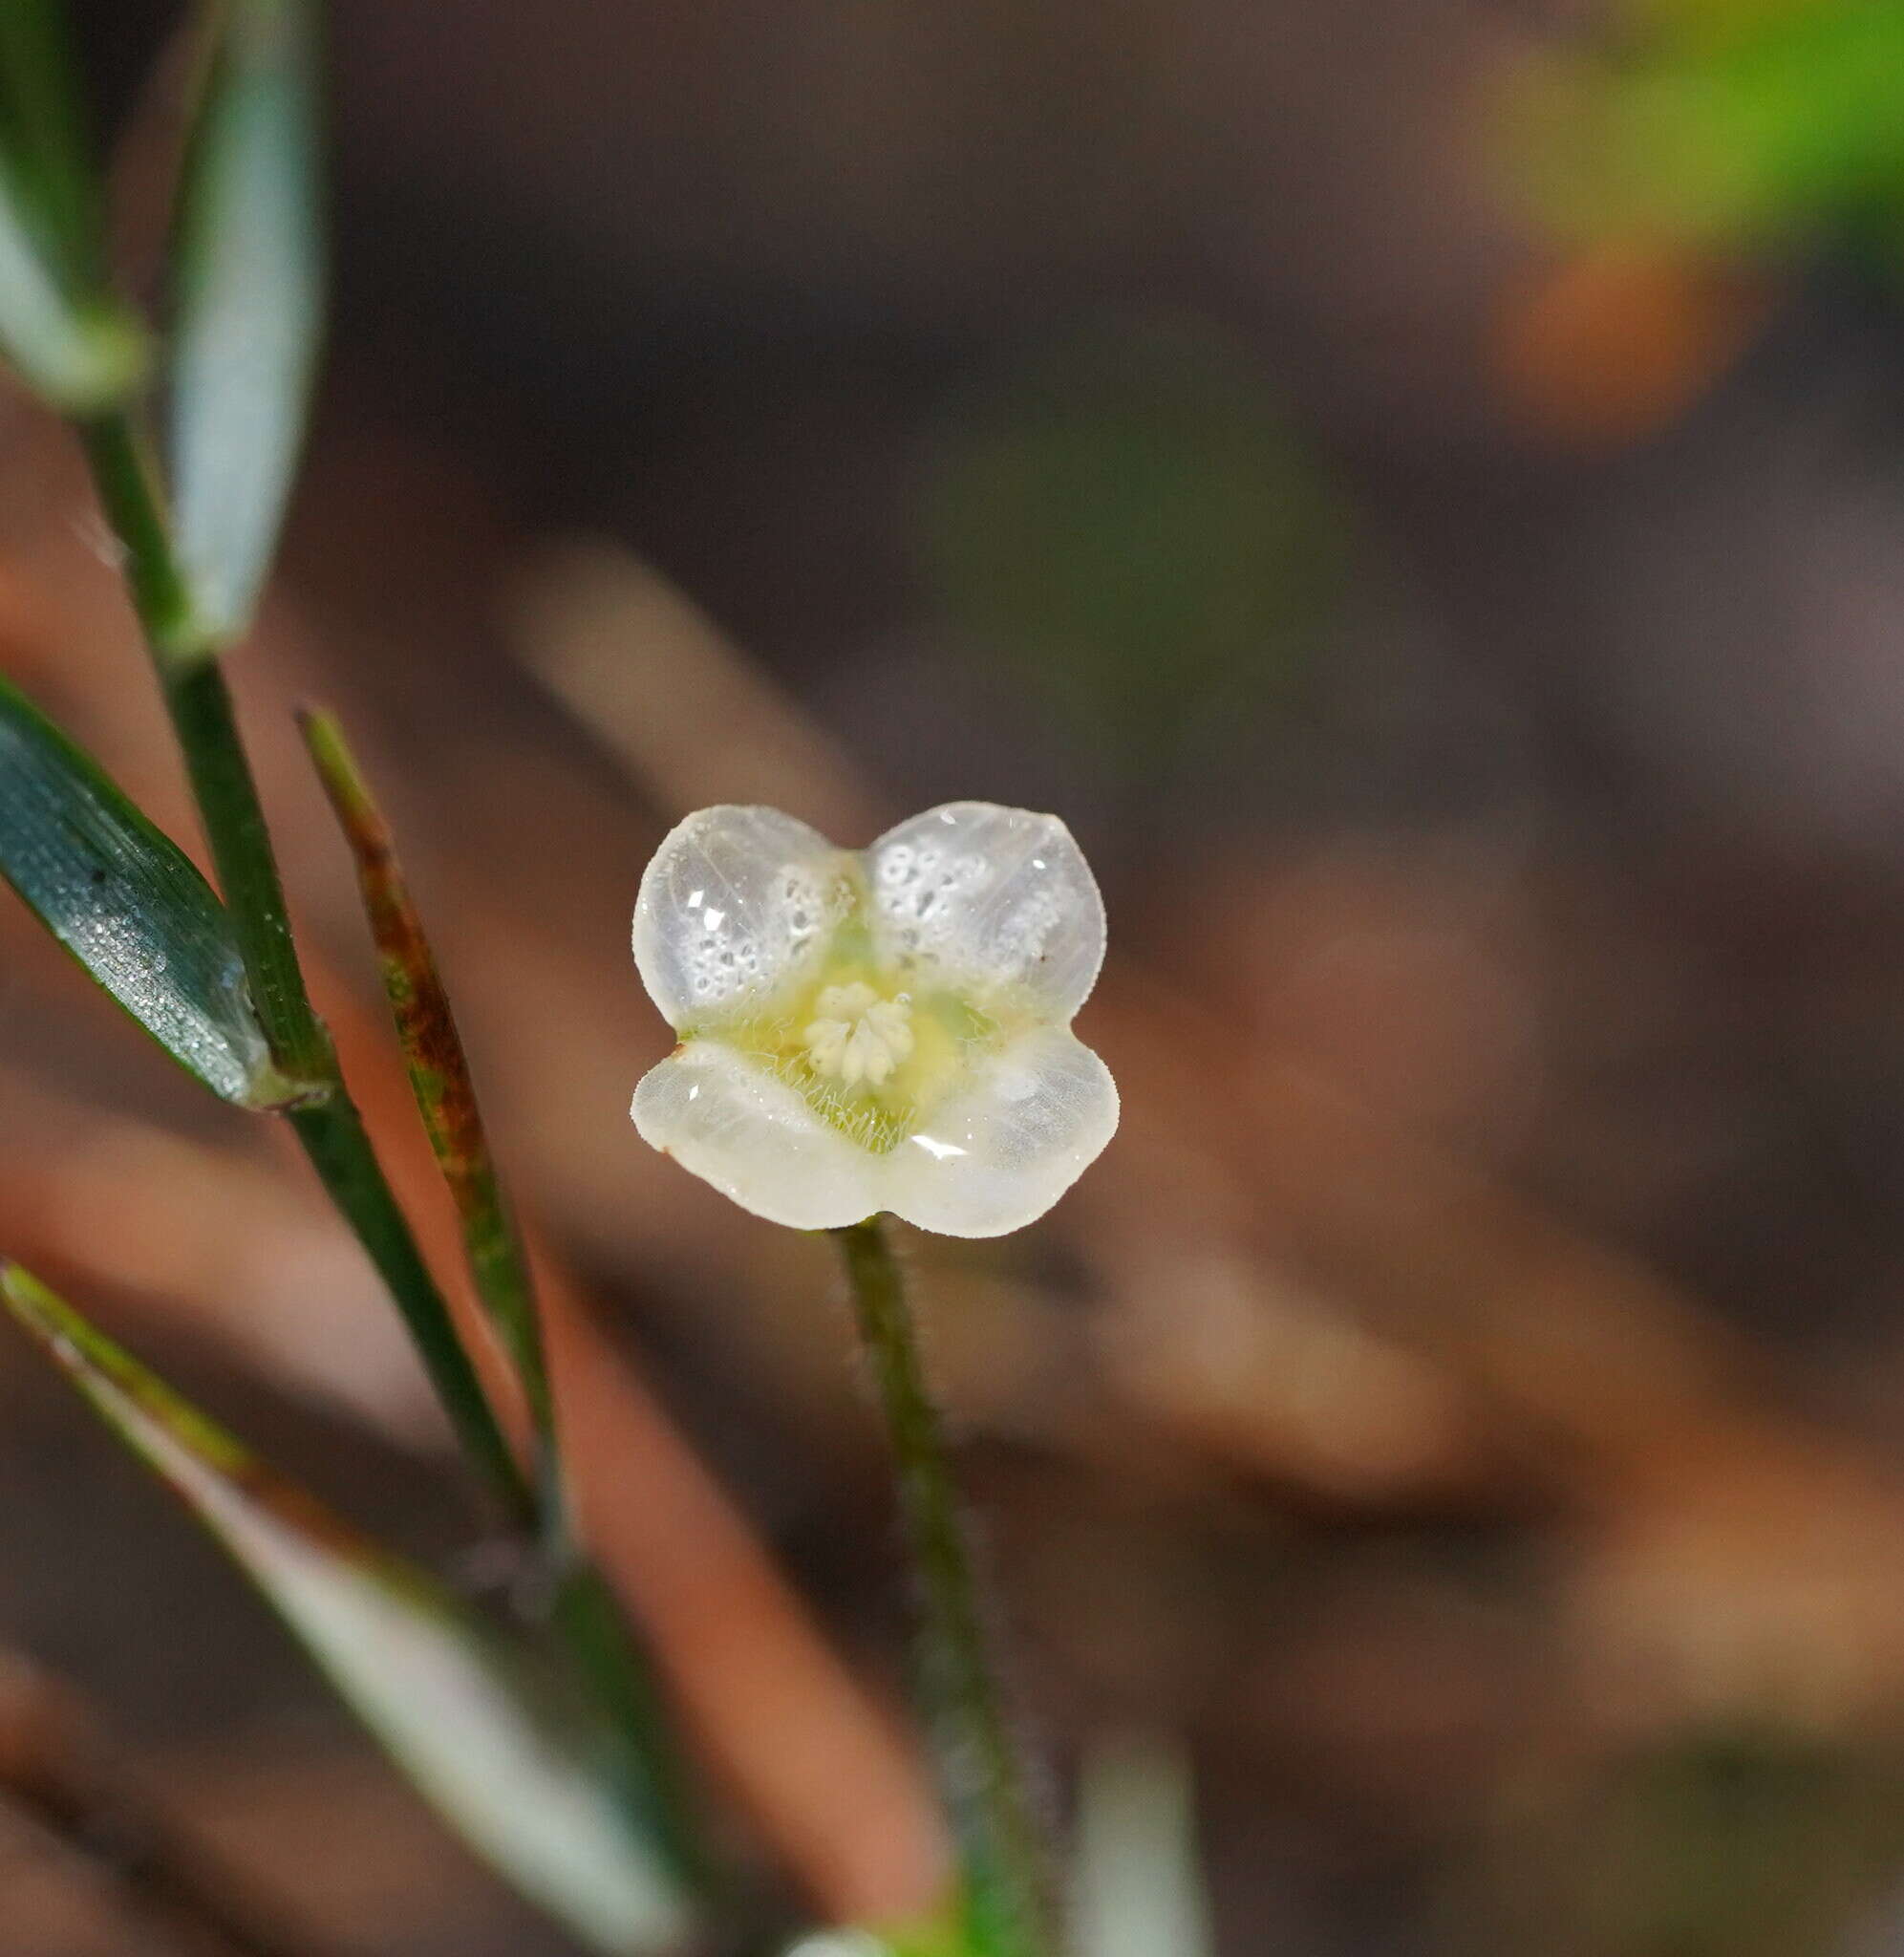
(734, 903)
(755, 1139)
(996, 1156)
(1000, 899)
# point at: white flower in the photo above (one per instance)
(882, 1030)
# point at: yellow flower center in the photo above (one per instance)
(873, 1042)
(871, 1050)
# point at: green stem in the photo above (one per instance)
(123, 478)
(331, 1132)
(590, 1621)
(1000, 1843)
(327, 1122)
(200, 704)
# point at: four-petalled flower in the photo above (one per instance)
(886, 1029)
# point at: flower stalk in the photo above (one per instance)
(1000, 1843)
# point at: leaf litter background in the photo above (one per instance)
(1466, 1405)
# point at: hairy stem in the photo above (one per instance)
(1000, 1843)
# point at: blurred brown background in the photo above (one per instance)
(1466, 1407)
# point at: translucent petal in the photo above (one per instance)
(997, 899)
(735, 903)
(756, 1139)
(1005, 1146)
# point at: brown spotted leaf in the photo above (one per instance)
(438, 1066)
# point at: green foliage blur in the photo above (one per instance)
(1732, 1842)
(1740, 126)
(1128, 519)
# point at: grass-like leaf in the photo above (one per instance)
(1138, 1887)
(79, 353)
(69, 340)
(249, 304)
(42, 128)
(130, 906)
(450, 1703)
(438, 1066)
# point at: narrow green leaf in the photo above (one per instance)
(453, 1706)
(77, 355)
(1138, 1887)
(250, 293)
(42, 126)
(130, 906)
(70, 341)
(438, 1065)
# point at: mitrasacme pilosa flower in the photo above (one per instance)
(881, 1029)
